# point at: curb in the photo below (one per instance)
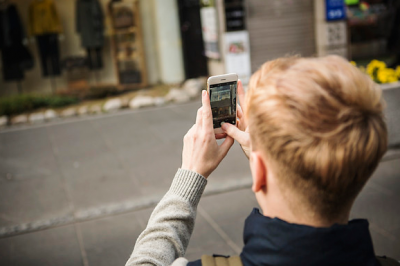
(190, 90)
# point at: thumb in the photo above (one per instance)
(225, 146)
(234, 132)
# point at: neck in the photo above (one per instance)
(279, 207)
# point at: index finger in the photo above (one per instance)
(241, 95)
(199, 117)
(206, 111)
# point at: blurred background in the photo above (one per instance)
(96, 96)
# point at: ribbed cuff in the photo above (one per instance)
(188, 185)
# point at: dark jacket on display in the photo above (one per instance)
(90, 23)
(271, 241)
(11, 31)
(16, 58)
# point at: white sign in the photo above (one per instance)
(237, 51)
(208, 16)
(336, 33)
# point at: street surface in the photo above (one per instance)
(80, 191)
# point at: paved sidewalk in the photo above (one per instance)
(79, 192)
(84, 169)
(219, 224)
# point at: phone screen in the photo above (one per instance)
(223, 103)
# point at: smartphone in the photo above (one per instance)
(222, 91)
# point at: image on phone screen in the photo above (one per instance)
(223, 103)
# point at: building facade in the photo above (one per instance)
(173, 40)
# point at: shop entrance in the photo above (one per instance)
(194, 59)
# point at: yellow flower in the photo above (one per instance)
(392, 77)
(379, 73)
(398, 71)
(379, 64)
(353, 63)
(375, 65)
(386, 75)
(381, 76)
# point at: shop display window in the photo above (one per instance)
(127, 44)
(371, 27)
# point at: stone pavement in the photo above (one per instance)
(78, 192)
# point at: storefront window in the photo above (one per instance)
(54, 46)
(374, 30)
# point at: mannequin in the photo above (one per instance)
(45, 25)
(90, 26)
(16, 58)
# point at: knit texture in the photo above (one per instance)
(171, 224)
(189, 185)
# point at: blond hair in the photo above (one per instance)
(320, 120)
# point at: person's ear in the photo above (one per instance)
(258, 171)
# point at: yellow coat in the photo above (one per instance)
(43, 18)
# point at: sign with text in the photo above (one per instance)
(335, 10)
(235, 15)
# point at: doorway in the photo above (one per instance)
(195, 61)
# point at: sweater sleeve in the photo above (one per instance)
(171, 224)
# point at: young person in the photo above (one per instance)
(314, 132)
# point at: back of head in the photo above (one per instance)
(320, 121)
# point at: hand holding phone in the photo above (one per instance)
(222, 93)
(241, 132)
(201, 152)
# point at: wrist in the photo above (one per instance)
(194, 169)
(189, 185)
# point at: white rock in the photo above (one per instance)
(203, 82)
(193, 87)
(177, 95)
(159, 101)
(36, 117)
(95, 109)
(191, 83)
(19, 119)
(3, 121)
(83, 110)
(68, 112)
(193, 92)
(141, 101)
(124, 102)
(50, 114)
(172, 94)
(112, 105)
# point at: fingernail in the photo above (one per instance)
(204, 93)
(222, 123)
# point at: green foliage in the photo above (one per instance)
(17, 104)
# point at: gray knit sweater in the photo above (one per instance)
(166, 237)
